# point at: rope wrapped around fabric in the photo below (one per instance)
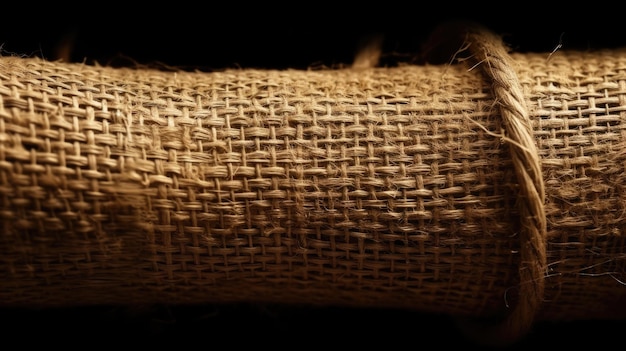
(489, 187)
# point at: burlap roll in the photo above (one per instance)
(385, 187)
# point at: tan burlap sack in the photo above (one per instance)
(490, 186)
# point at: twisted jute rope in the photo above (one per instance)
(490, 54)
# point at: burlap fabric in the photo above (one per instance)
(378, 187)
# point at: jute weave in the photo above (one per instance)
(393, 187)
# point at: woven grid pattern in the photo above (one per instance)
(579, 109)
(377, 187)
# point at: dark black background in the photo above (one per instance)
(214, 35)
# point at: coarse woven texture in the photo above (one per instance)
(386, 187)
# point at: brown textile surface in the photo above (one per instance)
(385, 187)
